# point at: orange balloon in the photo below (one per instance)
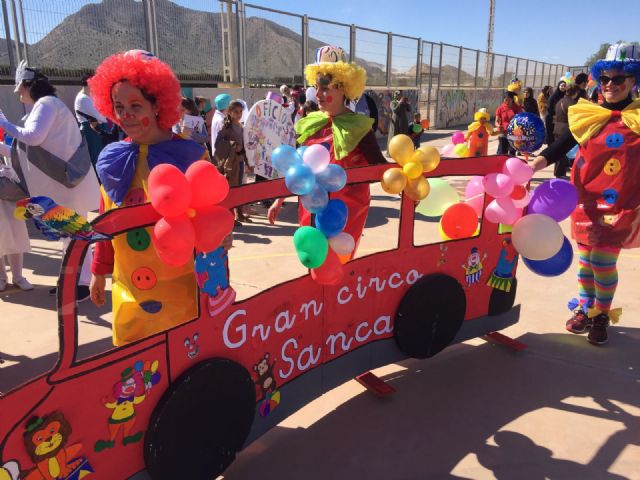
(424, 123)
(344, 258)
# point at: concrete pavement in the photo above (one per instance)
(561, 409)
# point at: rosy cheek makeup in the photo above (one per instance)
(145, 121)
(329, 98)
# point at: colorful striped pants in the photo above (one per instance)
(597, 276)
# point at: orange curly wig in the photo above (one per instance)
(144, 71)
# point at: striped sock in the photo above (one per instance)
(603, 263)
(586, 284)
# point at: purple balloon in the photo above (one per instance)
(555, 198)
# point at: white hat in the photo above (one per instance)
(310, 95)
(620, 52)
(23, 72)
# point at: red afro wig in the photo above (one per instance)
(144, 71)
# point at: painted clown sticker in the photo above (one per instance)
(473, 268)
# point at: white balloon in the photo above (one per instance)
(342, 244)
(316, 157)
(537, 236)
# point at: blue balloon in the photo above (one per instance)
(571, 154)
(554, 266)
(301, 150)
(332, 178)
(284, 157)
(525, 132)
(300, 179)
(333, 218)
(316, 200)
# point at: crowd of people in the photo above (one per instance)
(130, 116)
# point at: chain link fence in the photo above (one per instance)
(231, 42)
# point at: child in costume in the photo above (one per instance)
(606, 173)
(351, 140)
(515, 87)
(142, 95)
(504, 113)
(478, 133)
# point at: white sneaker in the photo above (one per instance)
(23, 284)
(3, 284)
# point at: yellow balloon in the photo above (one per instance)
(401, 149)
(393, 180)
(443, 235)
(412, 170)
(417, 189)
(431, 158)
(461, 150)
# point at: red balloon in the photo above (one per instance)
(173, 239)
(169, 190)
(208, 185)
(519, 192)
(211, 225)
(330, 272)
(460, 220)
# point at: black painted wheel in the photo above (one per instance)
(201, 422)
(429, 316)
(501, 302)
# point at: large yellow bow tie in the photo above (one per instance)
(586, 119)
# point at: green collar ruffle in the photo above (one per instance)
(348, 130)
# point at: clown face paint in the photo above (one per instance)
(330, 96)
(135, 114)
(616, 93)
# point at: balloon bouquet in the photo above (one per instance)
(309, 173)
(457, 148)
(412, 163)
(190, 214)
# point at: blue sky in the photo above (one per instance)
(553, 31)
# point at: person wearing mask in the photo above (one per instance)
(555, 97)
(530, 104)
(504, 113)
(606, 174)
(89, 119)
(561, 124)
(400, 111)
(46, 143)
(543, 100)
(141, 94)
(349, 136)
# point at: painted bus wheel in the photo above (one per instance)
(500, 301)
(429, 316)
(201, 422)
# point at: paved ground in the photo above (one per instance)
(562, 409)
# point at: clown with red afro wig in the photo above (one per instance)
(144, 71)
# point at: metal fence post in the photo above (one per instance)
(493, 63)
(504, 75)
(475, 77)
(305, 46)
(459, 65)
(429, 101)
(438, 88)
(389, 55)
(147, 25)
(14, 21)
(419, 68)
(352, 43)
(24, 31)
(526, 72)
(244, 74)
(5, 18)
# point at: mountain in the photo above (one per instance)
(189, 40)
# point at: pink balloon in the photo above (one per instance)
(169, 190)
(457, 137)
(498, 185)
(316, 157)
(518, 170)
(474, 187)
(476, 203)
(208, 185)
(447, 151)
(502, 210)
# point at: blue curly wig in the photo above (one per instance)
(629, 67)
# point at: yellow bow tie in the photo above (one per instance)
(614, 314)
(586, 119)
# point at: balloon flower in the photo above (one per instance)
(412, 163)
(309, 173)
(457, 148)
(191, 216)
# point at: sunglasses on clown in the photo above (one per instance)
(617, 80)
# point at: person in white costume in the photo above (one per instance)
(51, 126)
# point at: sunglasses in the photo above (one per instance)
(617, 80)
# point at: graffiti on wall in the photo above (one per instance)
(489, 99)
(455, 107)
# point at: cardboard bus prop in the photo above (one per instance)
(183, 402)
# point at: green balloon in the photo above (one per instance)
(441, 196)
(417, 128)
(311, 246)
